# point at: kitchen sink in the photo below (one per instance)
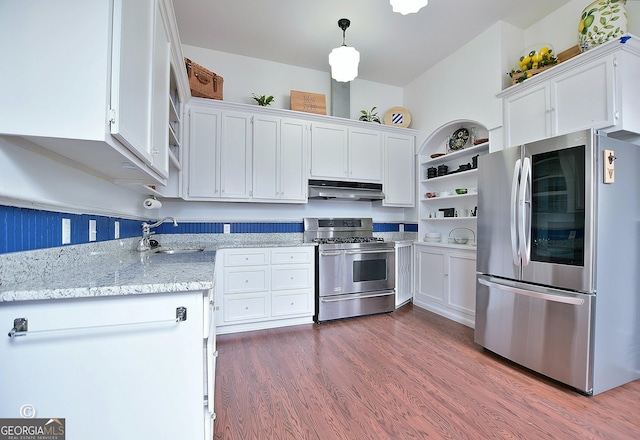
(177, 250)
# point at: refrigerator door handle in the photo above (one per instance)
(512, 213)
(564, 299)
(524, 234)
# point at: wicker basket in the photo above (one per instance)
(203, 82)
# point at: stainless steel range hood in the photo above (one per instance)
(335, 189)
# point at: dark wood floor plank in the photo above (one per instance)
(405, 375)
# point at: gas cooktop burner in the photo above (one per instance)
(331, 240)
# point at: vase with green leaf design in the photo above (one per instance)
(601, 21)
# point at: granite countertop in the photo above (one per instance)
(135, 274)
(116, 268)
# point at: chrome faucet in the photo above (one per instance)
(143, 244)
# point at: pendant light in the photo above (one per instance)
(344, 59)
(405, 7)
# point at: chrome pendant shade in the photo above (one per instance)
(344, 59)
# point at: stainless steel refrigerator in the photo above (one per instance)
(558, 285)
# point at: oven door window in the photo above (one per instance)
(369, 270)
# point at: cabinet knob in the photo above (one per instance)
(291, 303)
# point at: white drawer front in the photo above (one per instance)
(247, 280)
(291, 277)
(246, 307)
(248, 257)
(292, 256)
(292, 303)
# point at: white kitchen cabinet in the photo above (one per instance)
(219, 163)
(120, 363)
(445, 282)
(202, 177)
(591, 90)
(161, 66)
(261, 288)
(444, 271)
(279, 159)
(235, 156)
(284, 152)
(526, 115)
(365, 155)
(399, 171)
(329, 151)
(345, 153)
(88, 89)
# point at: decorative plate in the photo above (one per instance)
(434, 155)
(458, 139)
(397, 116)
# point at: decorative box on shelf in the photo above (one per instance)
(308, 102)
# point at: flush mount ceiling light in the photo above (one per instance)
(405, 7)
(344, 59)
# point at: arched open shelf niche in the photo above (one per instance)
(445, 272)
(463, 206)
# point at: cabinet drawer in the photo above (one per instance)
(246, 280)
(292, 256)
(293, 303)
(246, 307)
(291, 277)
(246, 257)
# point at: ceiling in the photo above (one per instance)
(394, 49)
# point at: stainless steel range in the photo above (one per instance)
(355, 272)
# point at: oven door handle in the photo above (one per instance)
(349, 296)
(330, 253)
(370, 251)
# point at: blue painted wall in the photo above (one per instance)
(26, 229)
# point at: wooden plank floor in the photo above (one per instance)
(406, 375)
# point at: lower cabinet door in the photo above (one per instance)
(291, 277)
(431, 274)
(462, 282)
(112, 367)
(246, 307)
(292, 303)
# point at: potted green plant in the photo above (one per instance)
(369, 116)
(263, 100)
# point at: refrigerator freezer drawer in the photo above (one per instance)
(545, 330)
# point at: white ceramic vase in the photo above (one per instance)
(601, 21)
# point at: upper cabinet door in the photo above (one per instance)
(584, 97)
(266, 153)
(399, 175)
(235, 155)
(527, 115)
(159, 96)
(131, 75)
(365, 155)
(204, 158)
(329, 151)
(293, 168)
